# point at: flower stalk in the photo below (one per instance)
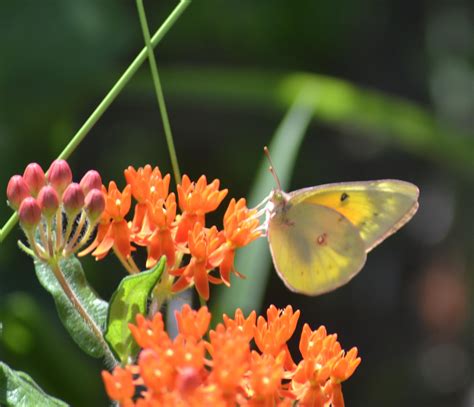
(159, 92)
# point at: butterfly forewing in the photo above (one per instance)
(314, 248)
(376, 208)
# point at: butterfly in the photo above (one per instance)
(319, 236)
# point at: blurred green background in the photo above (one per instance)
(390, 90)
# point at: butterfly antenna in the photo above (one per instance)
(272, 168)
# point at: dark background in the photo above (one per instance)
(408, 312)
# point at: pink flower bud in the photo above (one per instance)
(91, 180)
(59, 175)
(17, 191)
(29, 213)
(73, 199)
(48, 200)
(34, 178)
(95, 204)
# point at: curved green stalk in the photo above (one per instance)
(159, 92)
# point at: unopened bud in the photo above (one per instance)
(17, 191)
(29, 213)
(95, 204)
(34, 178)
(48, 200)
(59, 175)
(91, 180)
(73, 199)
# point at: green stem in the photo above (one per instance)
(109, 98)
(27, 250)
(39, 251)
(202, 301)
(159, 92)
(7, 227)
(73, 240)
(59, 229)
(89, 230)
(125, 263)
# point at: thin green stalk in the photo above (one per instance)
(8, 226)
(27, 250)
(202, 301)
(159, 92)
(109, 98)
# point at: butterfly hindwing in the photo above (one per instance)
(315, 249)
(376, 208)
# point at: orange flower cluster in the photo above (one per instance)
(157, 226)
(224, 370)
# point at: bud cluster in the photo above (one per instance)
(57, 215)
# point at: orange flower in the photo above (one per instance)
(230, 352)
(240, 228)
(240, 223)
(195, 200)
(119, 385)
(177, 372)
(113, 229)
(193, 323)
(157, 369)
(320, 351)
(150, 334)
(202, 243)
(271, 337)
(312, 395)
(161, 215)
(188, 352)
(345, 366)
(157, 227)
(145, 182)
(139, 180)
(265, 381)
(245, 326)
(324, 366)
(117, 204)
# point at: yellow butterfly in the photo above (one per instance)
(319, 236)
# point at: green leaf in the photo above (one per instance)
(70, 317)
(127, 301)
(254, 260)
(17, 389)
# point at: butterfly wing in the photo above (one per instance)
(376, 208)
(314, 248)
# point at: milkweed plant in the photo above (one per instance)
(243, 360)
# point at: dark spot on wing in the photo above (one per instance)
(344, 197)
(322, 239)
(376, 214)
